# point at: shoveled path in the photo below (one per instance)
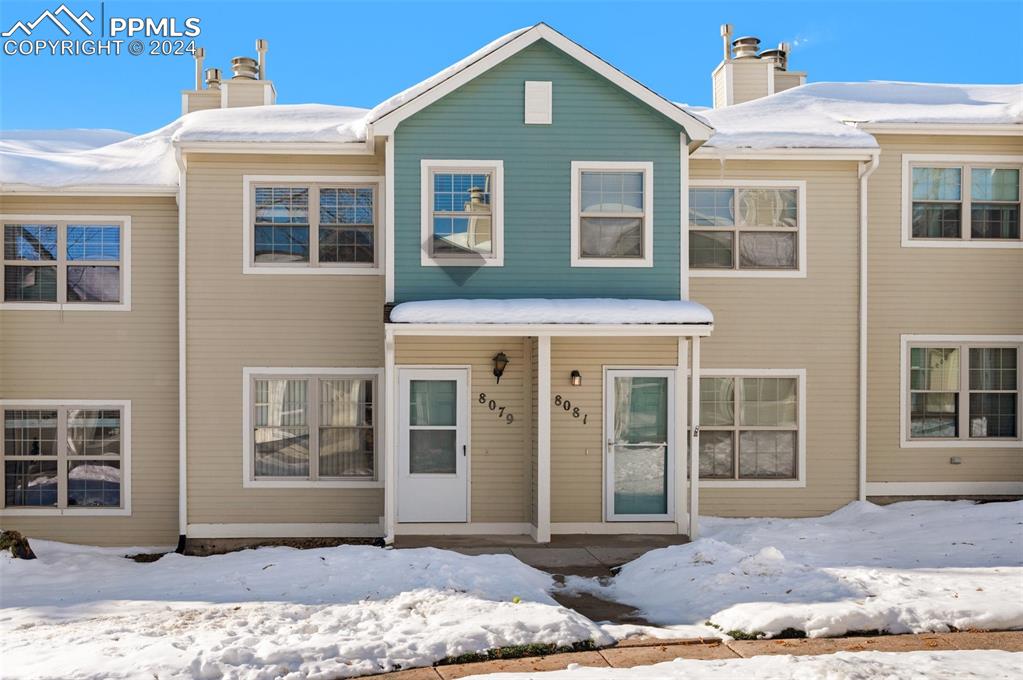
(646, 651)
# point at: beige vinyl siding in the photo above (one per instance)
(720, 91)
(245, 92)
(256, 320)
(202, 100)
(129, 355)
(934, 291)
(809, 323)
(749, 80)
(577, 449)
(785, 80)
(499, 452)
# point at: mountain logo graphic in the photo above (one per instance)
(77, 20)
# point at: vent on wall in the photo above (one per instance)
(538, 100)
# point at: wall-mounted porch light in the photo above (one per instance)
(577, 378)
(500, 362)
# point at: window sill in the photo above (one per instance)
(65, 512)
(635, 263)
(314, 271)
(985, 244)
(748, 273)
(427, 261)
(753, 484)
(68, 307)
(310, 484)
(962, 444)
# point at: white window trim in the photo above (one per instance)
(124, 221)
(647, 168)
(800, 375)
(250, 482)
(799, 272)
(496, 168)
(906, 442)
(545, 90)
(249, 183)
(125, 509)
(961, 160)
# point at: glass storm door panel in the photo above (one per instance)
(640, 460)
(433, 445)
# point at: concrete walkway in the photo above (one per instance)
(646, 651)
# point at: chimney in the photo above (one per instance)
(746, 73)
(247, 85)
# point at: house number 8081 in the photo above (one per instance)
(566, 405)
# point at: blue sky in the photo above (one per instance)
(357, 53)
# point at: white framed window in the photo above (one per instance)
(462, 213)
(752, 428)
(612, 214)
(67, 262)
(66, 457)
(747, 228)
(311, 225)
(307, 427)
(970, 201)
(961, 390)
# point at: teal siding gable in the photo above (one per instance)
(594, 120)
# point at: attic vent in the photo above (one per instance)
(539, 110)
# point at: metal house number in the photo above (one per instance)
(492, 405)
(566, 405)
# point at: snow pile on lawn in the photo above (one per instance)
(536, 310)
(148, 159)
(72, 139)
(970, 665)
(820, 114)
(924, 566)
(334, 612)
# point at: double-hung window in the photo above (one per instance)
(462, 213)
(965, 203)
(962, 391)
(310, 427)
(751, 426)
(755, 227)
(65, 457)
(79, 263)
(612, 214)
(311, 227)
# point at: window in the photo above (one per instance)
(754, 227)
(462, 213)
(962, 391)
(612, 214)
(66, 458)
(310, 428)
(307, 227)
(967, 202)
(71, 263)
(751, 426)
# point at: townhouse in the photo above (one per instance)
(481, 307)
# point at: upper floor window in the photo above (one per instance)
(754, 227)
(962, 391)
(462, 222)
(961, 202)
(78, 263)
(324, 228)
(612, 214)
(65, 457)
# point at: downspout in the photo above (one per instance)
(182, 372)
(866, 168)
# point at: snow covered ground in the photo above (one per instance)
(983, 665)
(923, 566)
(267, 613)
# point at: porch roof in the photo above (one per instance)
(541, 311)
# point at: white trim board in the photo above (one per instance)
(309, 530)
(462, 528)
(493, 167)
(551, 329)
(799, 272)
(944, 488)
(647, 168)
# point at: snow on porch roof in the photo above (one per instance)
(542, 311)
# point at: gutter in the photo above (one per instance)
(179, 158)
(91, 190)
(866, 169)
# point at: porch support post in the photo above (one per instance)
(543, 439)
(390, 456)
(681, 438)
(694, 443)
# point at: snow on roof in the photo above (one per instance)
(543, 311)
(148, 159)
(821, 115)
(73, 139)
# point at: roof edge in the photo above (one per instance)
(113, 190)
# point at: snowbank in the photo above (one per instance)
(971, 665)
(910, 567)
(535, 310)
(335, 612)
(820, 115)
(72, 139)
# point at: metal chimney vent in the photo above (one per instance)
(746, 47)
(778, 56)
(213, 78)
(245, 68)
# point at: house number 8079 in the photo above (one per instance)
(497, 408)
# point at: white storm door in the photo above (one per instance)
(433, 442)
(640, 429)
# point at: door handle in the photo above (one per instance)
(463, 449)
